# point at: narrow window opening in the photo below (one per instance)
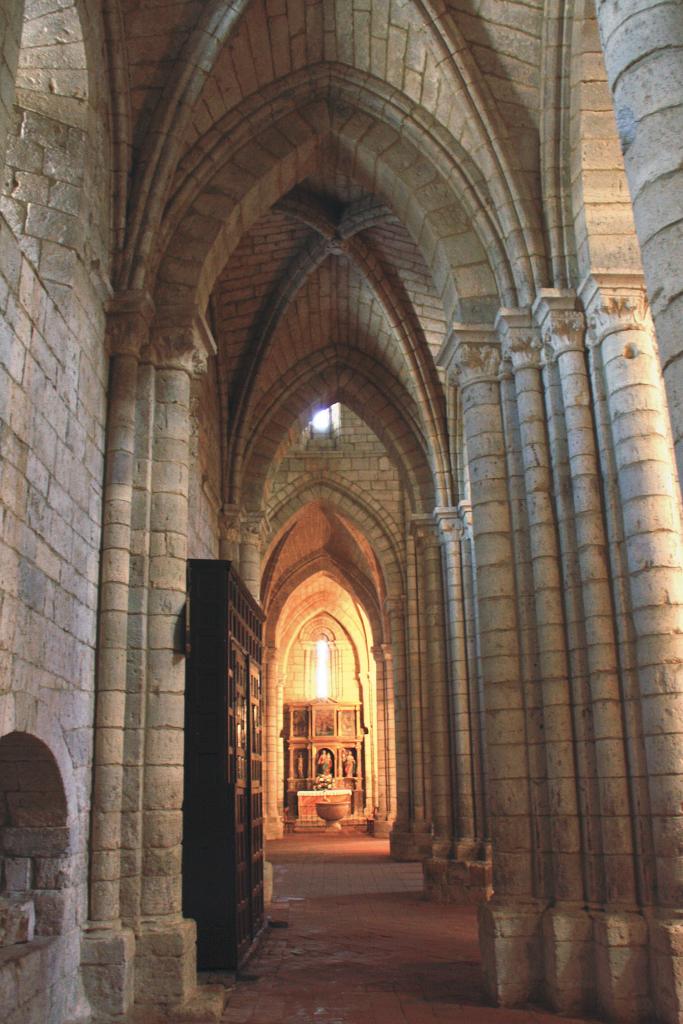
(322, 669)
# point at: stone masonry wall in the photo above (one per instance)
(53, 382)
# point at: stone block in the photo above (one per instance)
(568, 959)
(666, 960)
(17, 921)
(510, 941)
(457, 881)
(166, 963)
(17, 874)
(621, 966)
(108, 970)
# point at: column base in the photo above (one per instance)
(621, 964)
(666, 961)
(569, 963)
(166, 963)
(511, 953)
(409, 846)
(108, 971)
(457, 881)
(273, 828)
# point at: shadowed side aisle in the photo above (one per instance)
(361, 946)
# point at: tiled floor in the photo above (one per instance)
(361, 946)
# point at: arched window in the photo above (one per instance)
(322, 668)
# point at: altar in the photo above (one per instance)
(307, 816)
(323, 739)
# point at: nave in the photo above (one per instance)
(352, 941)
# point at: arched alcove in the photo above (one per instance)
(37, 871)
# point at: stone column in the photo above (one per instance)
(476, 689)
(411, 836)
(508, 925)
(621, 330)
(463, 877)
(435, 709)
(386, 741)
(567, 929)
(616, 923)
(250, 553)
(642, 42)
(404, 844)
(166, 954)
(273, 783)
(108, 948)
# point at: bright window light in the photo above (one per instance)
(322, 669)
(321, 420)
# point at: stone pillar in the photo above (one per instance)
(508, 925)
(250, 553)
(617, 923)
(273, 783)
(621, 330)
(567, 929)
(642, 42)
(108, 948)
(166, 954)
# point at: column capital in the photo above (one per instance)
(182, 340)
(252, 525)
(129, 315)
(229, 523)
(615, 302)
(561, 323)
(449, 522)
(470, 353)
(519, 339)
(423, 528)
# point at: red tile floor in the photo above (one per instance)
(361, 946)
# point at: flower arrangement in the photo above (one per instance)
(323, 782)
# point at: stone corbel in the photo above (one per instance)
(129, 315)
(470, 353)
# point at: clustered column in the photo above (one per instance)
(166, 956)
(622, 335)
(108, 948)
(508, 924)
